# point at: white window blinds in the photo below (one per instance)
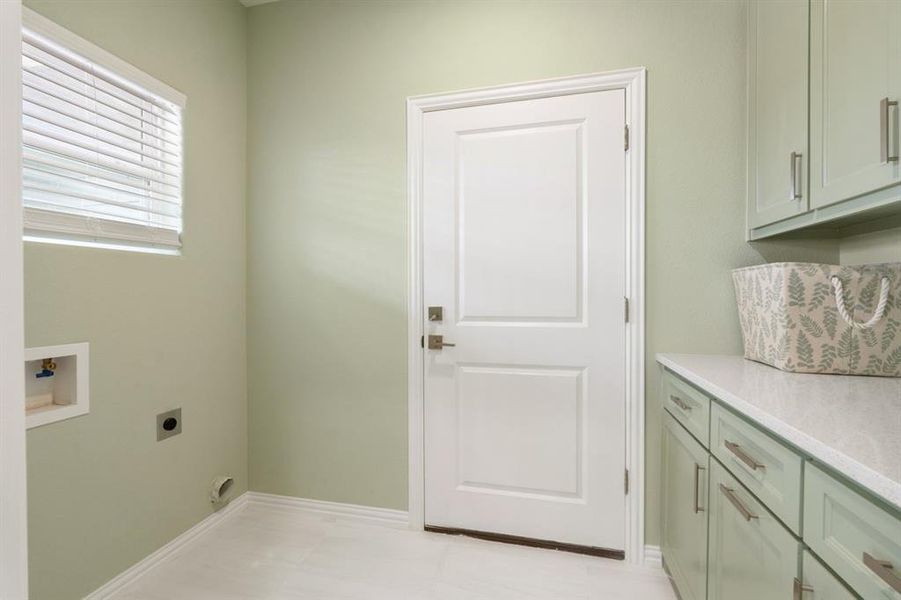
(102, 155)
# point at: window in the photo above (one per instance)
(101, 146)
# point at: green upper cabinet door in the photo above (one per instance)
(683, 510)
(855, 76)
(777, 102)
(752, 556)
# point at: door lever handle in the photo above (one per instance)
(436, 342)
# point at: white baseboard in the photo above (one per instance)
(653, 557)
(337, 509)
(138, 569)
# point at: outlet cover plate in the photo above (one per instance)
(161, 432)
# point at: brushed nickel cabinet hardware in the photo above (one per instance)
(626, 140)
(737, 503)
(436, 342)
(698, 469)
(799, 589)
(436, 314)
(743, 456)
(885, 133)
(883, 570)
(680, 403)
(626, 309)
(797, 188)
(626, 481)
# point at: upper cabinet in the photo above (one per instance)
(777, 99)
(855, 84)
(823, 141)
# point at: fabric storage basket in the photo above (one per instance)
(813, 318)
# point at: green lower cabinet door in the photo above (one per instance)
(752, 555)
(818, 583)
(684, 510)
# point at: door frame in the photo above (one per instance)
(633, 82)
(13, 524)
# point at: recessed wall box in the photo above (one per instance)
(56, 383)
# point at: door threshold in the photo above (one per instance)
(531, 542)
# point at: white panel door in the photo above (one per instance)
(524, 221)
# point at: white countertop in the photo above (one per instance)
(851, 424)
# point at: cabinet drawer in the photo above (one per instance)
(690, 406)
(855, 537)
(769, 469)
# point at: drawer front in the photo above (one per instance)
(689, 405)
(818, 583)
(752, 555)
(858, 539)
(769, 469)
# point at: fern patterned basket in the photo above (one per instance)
(813, 318)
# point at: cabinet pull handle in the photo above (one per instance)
(743, 456)
(730, 494)
(697, 506)
(885, 134)
(680, 403)
(797, 190)
(883, 570)
(799, 589)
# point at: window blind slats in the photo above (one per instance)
(42, 52)
(40, 223)
(47, 201)
(41, 159)
(37, 109)
(74, 134)
(78, 98)
(101, 155)
(81, 133)
(84, 186)
(48, 139)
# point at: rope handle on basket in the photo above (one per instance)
(880, 307)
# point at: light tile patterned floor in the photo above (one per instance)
(264, 552)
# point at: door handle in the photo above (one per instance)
(884, 570)
(743, 456)
(436, 342)
(885, 131)
(799, 589)
(797, 189)
(698, 469)
(730, 494)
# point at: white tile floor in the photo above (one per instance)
(265, 552)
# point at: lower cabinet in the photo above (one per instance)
(752, 555)
(684, 516)
(818, 583)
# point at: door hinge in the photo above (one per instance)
(626, 309)
(626, 140)
(626, 481)
(422, 341)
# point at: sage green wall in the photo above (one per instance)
(876, 247)
(164, 331)
(326, 204)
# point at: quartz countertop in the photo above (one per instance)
(852, 424)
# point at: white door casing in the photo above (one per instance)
(13, 530)
(531, 210)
